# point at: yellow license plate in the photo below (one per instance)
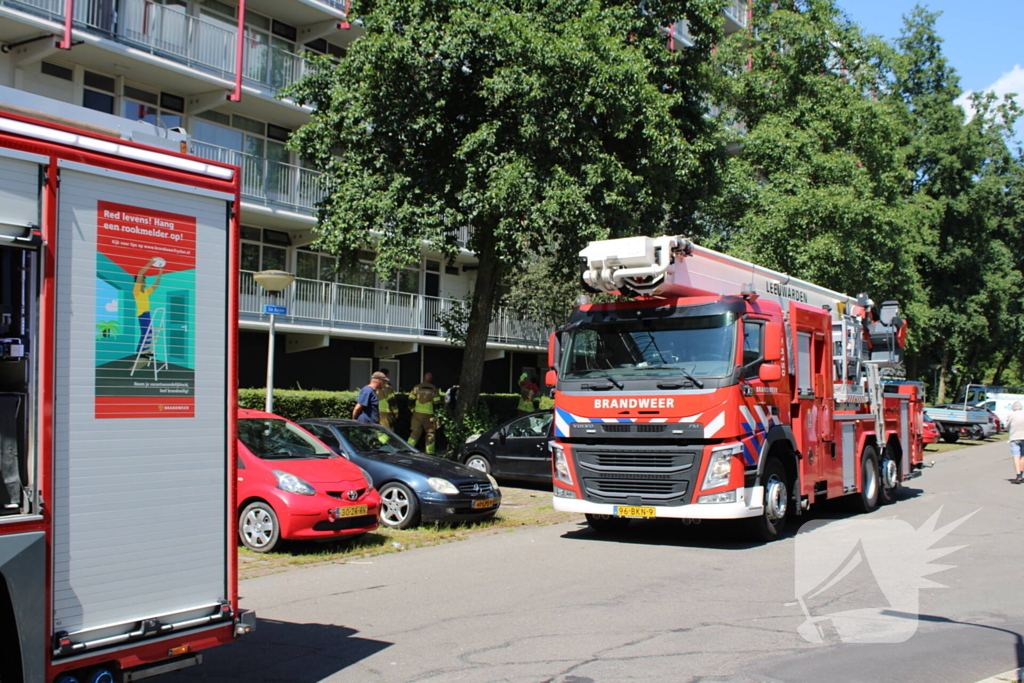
(354, 511)
(633, 511)
(481, 504)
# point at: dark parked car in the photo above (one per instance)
(517, 449)
(413, 486)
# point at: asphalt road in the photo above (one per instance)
(665, 602)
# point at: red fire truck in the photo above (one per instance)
(722, 390)
(118, 267)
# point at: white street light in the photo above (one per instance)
(273, 282)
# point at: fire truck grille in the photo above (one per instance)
(639, 475)
(618, 428)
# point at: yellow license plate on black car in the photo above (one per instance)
(353, 511)
(483, 504)
(633, 511)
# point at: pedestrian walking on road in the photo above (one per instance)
(367, 406)
(387, 406)
(425, 398)
(1015, 428)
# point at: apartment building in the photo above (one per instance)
(214, 71)
(203, 67)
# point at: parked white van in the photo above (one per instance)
(1001, 405)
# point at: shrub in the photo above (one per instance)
(300, 405)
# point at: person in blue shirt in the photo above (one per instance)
(367, 407)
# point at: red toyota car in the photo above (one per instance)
(292, 487)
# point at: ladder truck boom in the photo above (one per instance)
(674, 266)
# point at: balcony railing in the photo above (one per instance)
(265, 179)
(169, 31)
(737, 14)
(338, 305)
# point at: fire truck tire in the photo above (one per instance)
(258, 528)
(866, 499)
(607, 524)
(888, 480)
(770, 524)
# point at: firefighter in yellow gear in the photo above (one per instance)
(388, 409)
(425, 398)
(527, 392)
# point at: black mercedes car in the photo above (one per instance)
(413, 486)
(518, 449)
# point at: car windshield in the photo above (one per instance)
(373, 439)
(701, 346)
(277, 439)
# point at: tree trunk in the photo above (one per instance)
(487, 277)
(1004, 364)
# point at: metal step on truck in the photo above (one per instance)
(118, 296)
(714, 388)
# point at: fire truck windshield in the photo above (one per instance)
(702, 346)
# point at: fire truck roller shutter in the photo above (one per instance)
(19, 193)
(139, 499)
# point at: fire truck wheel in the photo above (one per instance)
(866, 499)
(258, 528)
(769, 525)
(607, 524)
(889, 476)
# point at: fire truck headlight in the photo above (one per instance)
(562, 472)
(720, 466)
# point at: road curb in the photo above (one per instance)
(1011, 676)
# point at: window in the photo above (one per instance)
(531, 426)
(321, 46)
(324, 434)
(57, 71)
(264, 249)
(315, 266)
(161, 109)
(753, 348)
(98, 93)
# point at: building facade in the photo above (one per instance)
(214, 71)
(201, 67)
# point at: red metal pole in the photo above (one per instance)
(69, 17)
(236, 96)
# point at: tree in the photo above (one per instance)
(522, 120)
(962, 177)
(817, 188)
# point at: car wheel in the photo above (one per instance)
(770, 524)
(479, 462)
(399, 507)
(951, 437)
(258, 528)
(607, 524)
(866, 499)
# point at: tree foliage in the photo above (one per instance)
(522, 120)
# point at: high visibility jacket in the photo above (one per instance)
(384, 394)
(425, 396)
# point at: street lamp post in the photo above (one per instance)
(273, 282)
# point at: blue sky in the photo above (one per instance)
(983, 39)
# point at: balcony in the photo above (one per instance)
(265, 180)
(167, 31)
(737, 14)
(334, 305)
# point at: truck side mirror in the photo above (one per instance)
(551, 378)
(772, 342)
(769, 372)
(554, 350)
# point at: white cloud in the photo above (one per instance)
(1010, 82)
(111, 306)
